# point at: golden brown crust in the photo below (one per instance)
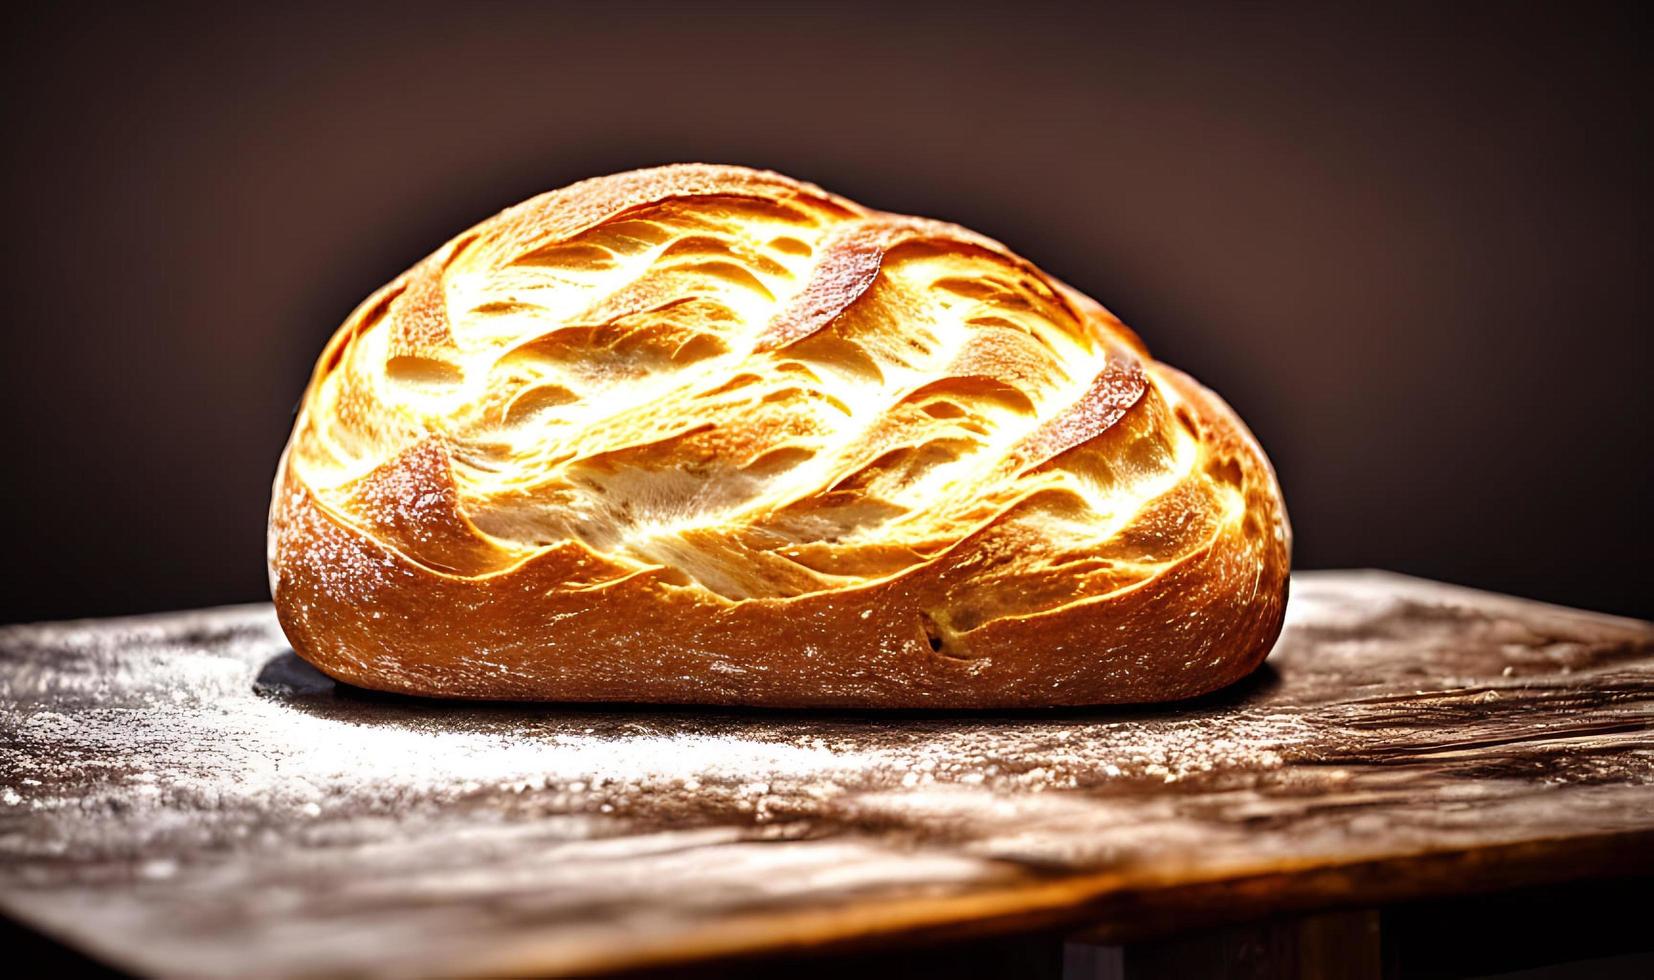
(706, 434)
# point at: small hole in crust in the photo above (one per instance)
(932, 632)
(941, 640)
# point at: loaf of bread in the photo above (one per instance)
(705, 434)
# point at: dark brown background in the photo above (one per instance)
(1410, 246)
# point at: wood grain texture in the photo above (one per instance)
(181, 795)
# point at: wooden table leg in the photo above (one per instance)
(1341, 945)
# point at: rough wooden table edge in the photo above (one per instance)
(1073, 907)
(1078, 904)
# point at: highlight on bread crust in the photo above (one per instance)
(709, 434)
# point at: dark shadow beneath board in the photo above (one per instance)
(1572, 931)
(32, 954)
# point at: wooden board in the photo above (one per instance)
(181, 795)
